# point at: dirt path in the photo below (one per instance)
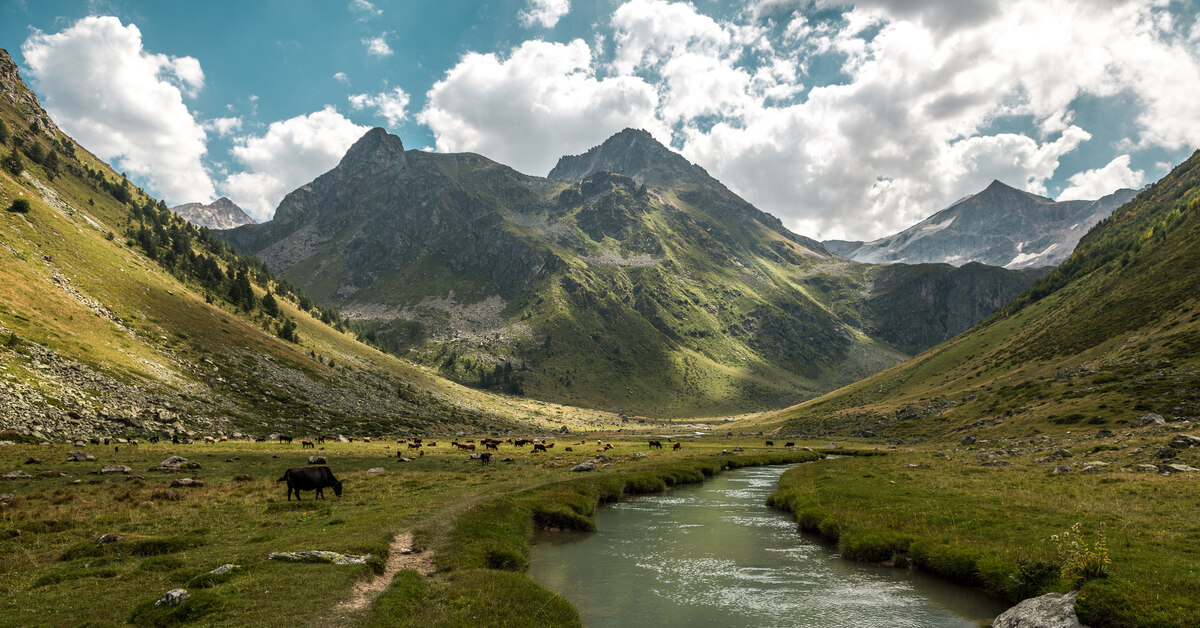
(400, 557)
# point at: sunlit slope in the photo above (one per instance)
(1110, 335)
(98, 338)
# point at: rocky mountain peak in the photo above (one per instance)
(13, 90)
(633, 153)
(219, 214)
(375, 146)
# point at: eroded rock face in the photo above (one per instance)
(1053, 610)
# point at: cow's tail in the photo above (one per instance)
(284, 478)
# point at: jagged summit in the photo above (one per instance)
(633, 153)
(219, 214)
(375, 145)
(14, 91)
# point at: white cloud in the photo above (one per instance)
(544, 12)
(378, 46)
(224, 126)
(1092, 184)
(388, 105)
(125, 104)
(541, 102)
(291, 153)
(341, 77)
(364, 10)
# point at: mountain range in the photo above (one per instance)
(219, 214)
(1000, 226)
(628, 280)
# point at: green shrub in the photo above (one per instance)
(20, 206)
(201, 605)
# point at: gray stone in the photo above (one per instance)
(1184, 441)
(80, 456)
(1053, 610)
(33, 461)
(725, 452)
(319, 556)
(1177, 468)
(375, 470)
(226, 568)
(174, 597)
(6, 443)
(16, 475)
(105, 539)
(175, 463)
(1165, 453)
(342, 439)
(1151, 419)
(1091, 468)
(584, 466)
(114, 469)
(7, 498)
(317, 460)
(1062, 453)
(1062, 470)
(1147, 467)
(967, 440)
(187, 482)
(637, 454)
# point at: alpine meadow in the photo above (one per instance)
(626, 313)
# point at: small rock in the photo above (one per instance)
(1147, 467)
(738, 449)
(375, 470)
(1151, 419)
(400, 458)
(319, 556)
(1053, 610)
(1062, 453)
(996, 463)
(105, 539)
(1184, 441)
(6, 443)
(726, 452)
(967, 440)
(506, 459)
(1165, 453)
(585, 466)
(1062, 470)
(602, 458)
(16, 475)
(80, 456)
(637, 454)
(1177, 468)
(33, 461)
(114, 469)
(7, 498)
(174, 597)
(175, 463)
(1091, 468)
(188, 482)
(226, 568)
(916, 466)
(317, 460)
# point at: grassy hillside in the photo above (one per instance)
(1109, 336)
(118, 318)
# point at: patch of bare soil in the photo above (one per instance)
(400, 557)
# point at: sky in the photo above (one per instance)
(846, 121)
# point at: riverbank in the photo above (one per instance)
(992, 526)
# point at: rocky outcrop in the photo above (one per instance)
(219, 214)
(1053, 610)
(1000, 226)
(14, 91)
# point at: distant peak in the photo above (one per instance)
(997, 184)
(376, 144)
(631, 152)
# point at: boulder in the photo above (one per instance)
(319, 556)
(637, 454)
(1062, 470)
(375, 470)
(1062, 453)
(1165, 453)
(342, 439)
(1053, 610)
(1147, 467)
(105, 539)
(317, 460)
(175, 463)
(967, 440)
(114, 469)
(80, 456)
(584, 466)
(16, 475)
(33, 461)
(7, 498)
(174, 597)
(1151, 419)
(53, 474)
(1184, 441)
(226, 568)
(188, 482)
(6, 443)
(1177, 468)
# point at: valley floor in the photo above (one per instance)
(470, 525)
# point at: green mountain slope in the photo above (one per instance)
(629, 280)
(1107, 337)
(118, 318)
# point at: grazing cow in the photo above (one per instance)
(306, 444)
(538, 447)
(260, 439)
(677, 446)
(655, 445)
(285, 439)
(465, 447)
(414, 445)
(209, 439)
(568, 449)
(310, 479)
(321, 439)
(549, 445)
(366, 439)
(154, 439)
(417, 441)
(492, 445)
(223, 439)
(770, 443)
(431, 444)
(789, 444)
(521, 442)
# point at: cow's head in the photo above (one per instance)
(337, 488)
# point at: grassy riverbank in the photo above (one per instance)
(991, 526)
(476, 519)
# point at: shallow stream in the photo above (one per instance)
(713, 554)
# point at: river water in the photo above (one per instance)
(713, 554)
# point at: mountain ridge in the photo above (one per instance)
(219, 214)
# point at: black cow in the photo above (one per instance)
(538, 447)
(789, 444)
(677, 447)
(655, 445)
(310, 479)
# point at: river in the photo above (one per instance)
(713, 554)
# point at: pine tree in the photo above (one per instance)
(269, 306)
